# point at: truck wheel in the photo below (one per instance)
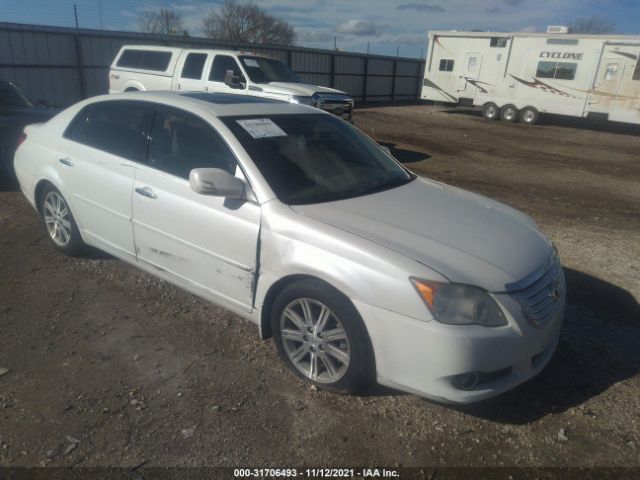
(490, 111)
(529, 115)
(321, 337)
(509, 113)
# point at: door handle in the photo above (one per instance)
(66, 161)
(146, 192)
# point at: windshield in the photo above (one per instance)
(11, 97)
(266, 70)
(316, 158)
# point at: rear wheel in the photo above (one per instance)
(321, 338)
(490, 111)
(59, 222)
(529, 115)
(509, 113)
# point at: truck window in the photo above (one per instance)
(193, 66)
(222, 63)
(446, 65)
(636, 72)
(145, 59)
(557, 70)
(181, 141)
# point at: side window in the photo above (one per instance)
(446, 65)
(145, 59)
(222, 63)
(75, 130)
(181, 142)
(499, 42)
(193, 66)
(557, 70)
(119, 128)
(636, 72)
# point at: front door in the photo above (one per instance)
(221, 65)
(602, 98)
(467, 82)
(205, 244)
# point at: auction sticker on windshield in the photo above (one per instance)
(250, 62)
(261, 128)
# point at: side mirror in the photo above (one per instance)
(216, 182)
(233, 81)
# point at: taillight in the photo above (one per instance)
(21, 139)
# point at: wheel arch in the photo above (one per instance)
(37, 197)
(274, 290)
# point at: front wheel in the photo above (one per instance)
(321, 337)
(490, 111)
(59, 222)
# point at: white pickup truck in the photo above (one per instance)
(139, 67)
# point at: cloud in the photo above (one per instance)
(493, 10)
(420, 7)
(513, 2)
(305, 35)
(359, 27)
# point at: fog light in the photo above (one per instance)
(466, 381)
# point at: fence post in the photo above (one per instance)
(393, 82)
(364, 82)
(80, 66)
(332, 81)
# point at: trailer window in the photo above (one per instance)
(446, 65)
(499, 42)
(557, 70)
(193, 66)
(636, 72)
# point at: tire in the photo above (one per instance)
(509, 113)
(529, 115)
(59, 223)
(344, 363)
(490, 111)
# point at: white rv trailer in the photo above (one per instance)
(514, 76)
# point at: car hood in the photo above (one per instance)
(285, 88)
(465, 237)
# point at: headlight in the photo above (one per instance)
(456, 304)
(301, 100)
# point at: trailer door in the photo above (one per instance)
(607, 85)
(470, 72)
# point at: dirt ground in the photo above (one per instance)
(110, 367)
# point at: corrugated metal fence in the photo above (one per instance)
(63, 65)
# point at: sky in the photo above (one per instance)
(382, 26)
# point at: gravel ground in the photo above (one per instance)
(109, 367)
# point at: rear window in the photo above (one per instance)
(145, 59)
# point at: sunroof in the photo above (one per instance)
(228, 98)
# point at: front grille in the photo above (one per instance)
(540, 295)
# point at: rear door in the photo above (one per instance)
(220, 65)
(96, 164)
(206, 244)
(190, 71)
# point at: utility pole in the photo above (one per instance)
(367, 48)
(100, 14)
(75, 14)
(79, 60)
(335, 42)
(397, 50)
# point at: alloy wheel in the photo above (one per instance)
(315, 340)
(57, 218)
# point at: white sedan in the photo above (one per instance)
(297, 221)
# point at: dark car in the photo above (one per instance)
(16, 111)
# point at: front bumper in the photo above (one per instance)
(430, 358)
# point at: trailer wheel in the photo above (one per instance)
(509, 113)
(490, 111)
(529, 115)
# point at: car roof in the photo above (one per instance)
(218, 104)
